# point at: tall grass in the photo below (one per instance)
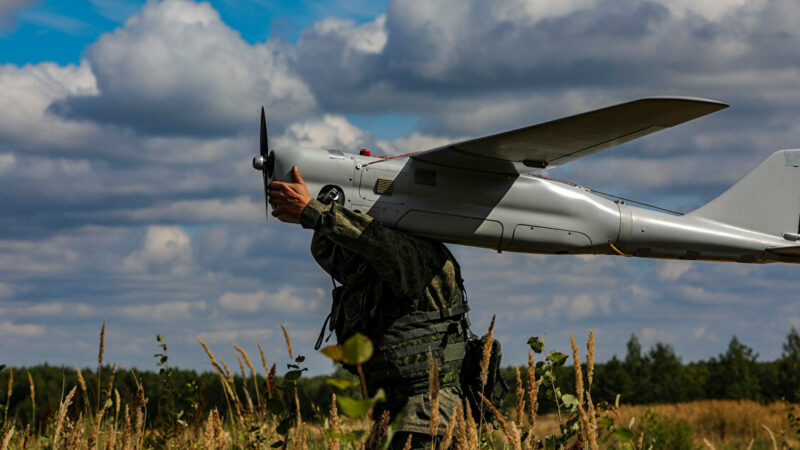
(263, 411)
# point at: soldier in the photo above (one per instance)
(403, 292)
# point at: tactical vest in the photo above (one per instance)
(402, 341)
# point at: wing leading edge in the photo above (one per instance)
(563, 140)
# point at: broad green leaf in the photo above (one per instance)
(558, 359)
(277, 444)
(605, 422)
(570, 401)
(275, 406)
(293, 375)
(341, 383)
(358, 408)
(334, 352)
(623, 434)
(300, 359)
(357, 349)
(536, 344)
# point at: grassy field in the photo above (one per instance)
(263, 410)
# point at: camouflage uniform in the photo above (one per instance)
(404, 293)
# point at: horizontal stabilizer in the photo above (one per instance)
(563, 140)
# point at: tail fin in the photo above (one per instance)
(766, 200)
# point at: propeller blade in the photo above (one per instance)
(264, 146)
(264, 154)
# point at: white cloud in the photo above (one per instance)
(164, 311)
(285, 299)
(166, 249)
(10, 329)
(176, 68)
(329, 131)
(673, 270)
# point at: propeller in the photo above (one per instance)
(265, 161)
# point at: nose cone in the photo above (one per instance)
(258, 162)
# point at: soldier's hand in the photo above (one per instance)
(289, 199)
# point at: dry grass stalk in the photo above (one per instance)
(408, 443)
(110, 386)
(208, 435)
(288, 340)
(33, 398)
(533, 393)
(509, 429)
(102, 344)
(211, 357)
(8, 395)
(74, 440)
(82, 382)
(98, 418)
(100, 352)
(708, 444)
(228, 374)
(584, 418)
(62, 412)
(448, 432)
(461, 433)
(126, 430)
(771, 436)
(472, 428)
(266, 369)
(7, 438)
(141, 401)
(252, 371)
(220, 438)
(333, 443)
(379, 431)
(433, 394)
(589, 377)
(270, 378)
(244, 385)
(487, 352)
(520, 398)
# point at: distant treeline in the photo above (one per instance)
(654, 376)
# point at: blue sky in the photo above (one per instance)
(127, 128)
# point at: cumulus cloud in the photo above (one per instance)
(166, 249)
(176, 68)
(10, 329)
(285, 299)
(164, 311)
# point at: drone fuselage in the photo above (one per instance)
(516, 213)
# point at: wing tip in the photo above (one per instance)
(684, 98)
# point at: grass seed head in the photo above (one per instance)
(487, 353)
(288, 340)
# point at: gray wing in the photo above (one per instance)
(563, 140)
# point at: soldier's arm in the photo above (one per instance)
(404, 261)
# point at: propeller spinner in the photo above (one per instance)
(265, 161)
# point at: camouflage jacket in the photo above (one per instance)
(389, 280)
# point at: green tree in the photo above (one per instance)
(667, 385)
(734, 374)
(638, 368)
(789, 365)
